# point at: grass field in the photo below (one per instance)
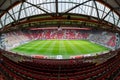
(66, 48)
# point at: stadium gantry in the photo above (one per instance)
(59, 40)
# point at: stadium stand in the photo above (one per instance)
(98, 67)
(23, 67)
(95, 21)
(20, 37)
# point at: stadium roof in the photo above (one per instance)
(14, 12)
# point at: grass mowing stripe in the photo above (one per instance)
(56, 48)
(50, 48)
(33, 48)
(95, 47)
(64, 52)
(89, 47)
(69, 49)
(74, 48)
(62, 49)
(81, 47)
(66, 48)
(42, 47)
(85, 48)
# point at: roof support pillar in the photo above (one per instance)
(56, 5)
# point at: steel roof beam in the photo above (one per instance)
(12, 9)
(77, 6)
(25, 10)
(1, 23)
(20, 11)
(118, 21)
(113, 18)
(11, 16)
(103, 12)
(56, 5)
(96, 9)
(106, 15)
(5, 19)
(37, 7)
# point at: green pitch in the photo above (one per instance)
(66, 48)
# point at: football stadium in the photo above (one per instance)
(59, 40)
